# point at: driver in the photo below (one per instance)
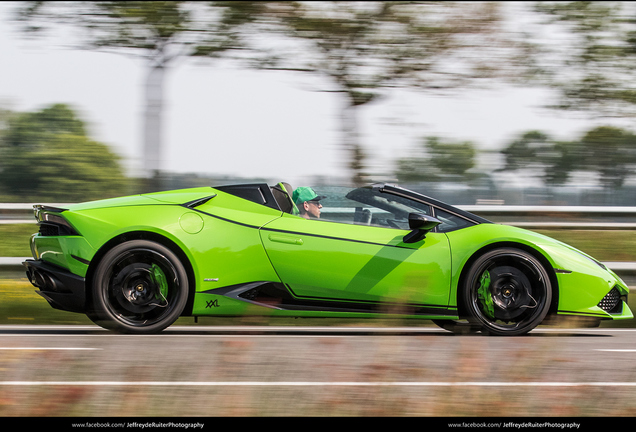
(308, 202)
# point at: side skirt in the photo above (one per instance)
(280, 296)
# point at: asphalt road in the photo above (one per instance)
(315, 371)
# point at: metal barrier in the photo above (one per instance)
(530, 217)
(24, 211)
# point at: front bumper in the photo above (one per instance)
(61, 288)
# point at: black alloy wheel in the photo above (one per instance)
(139, 286)
(507, 292)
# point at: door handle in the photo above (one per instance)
(285, 239)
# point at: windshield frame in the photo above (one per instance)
(435, 204)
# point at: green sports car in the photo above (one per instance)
(136, 264)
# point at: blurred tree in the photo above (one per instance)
(606, 151)
(589, 54)
(536, 151)
(46, 155)
(160, 32)
(610, 152)
(437, 160)
(364, 48)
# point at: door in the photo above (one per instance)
(355, 253)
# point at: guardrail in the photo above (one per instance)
(486, 209)
(623, 210)
(22, 213)
(531, 217)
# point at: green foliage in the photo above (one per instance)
(144, 25)
(452, 158)
(609, 152)
(159, 31)
(591, 60)
(365, 46)
(606, 152)
(535, 150)
(46, 155)
(436, 159)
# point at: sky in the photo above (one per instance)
(221, 120)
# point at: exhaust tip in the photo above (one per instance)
(43, 281)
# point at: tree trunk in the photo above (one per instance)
(153, 125)
(353, 153)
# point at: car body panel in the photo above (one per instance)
(331, 261)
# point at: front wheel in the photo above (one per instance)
(138, 287)
(461, 327)
(507, 291)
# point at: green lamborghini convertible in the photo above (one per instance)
(136, 264)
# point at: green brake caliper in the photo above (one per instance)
(159, 279)
(483, 294)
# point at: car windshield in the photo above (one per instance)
(366, 206)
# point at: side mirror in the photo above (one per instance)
(420, 225)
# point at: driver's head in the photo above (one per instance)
(308, 202)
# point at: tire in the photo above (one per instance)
(507, 292)
(139, 287)
(458, 327)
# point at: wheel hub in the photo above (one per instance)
(511, 292)
(507, 291)
(138, 292)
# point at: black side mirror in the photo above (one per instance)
(420, 225)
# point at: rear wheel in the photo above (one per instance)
(507, 291)
(139, 287)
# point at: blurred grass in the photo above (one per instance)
(20, 304)
(602, 245)
(14, 239)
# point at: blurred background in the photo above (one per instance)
(519, 111)
(485, 105)
(520, 103)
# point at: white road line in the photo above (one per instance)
(193, 329)
(616, 350)
(48, 349)
(315, 384)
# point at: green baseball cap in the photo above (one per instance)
(305, 193)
